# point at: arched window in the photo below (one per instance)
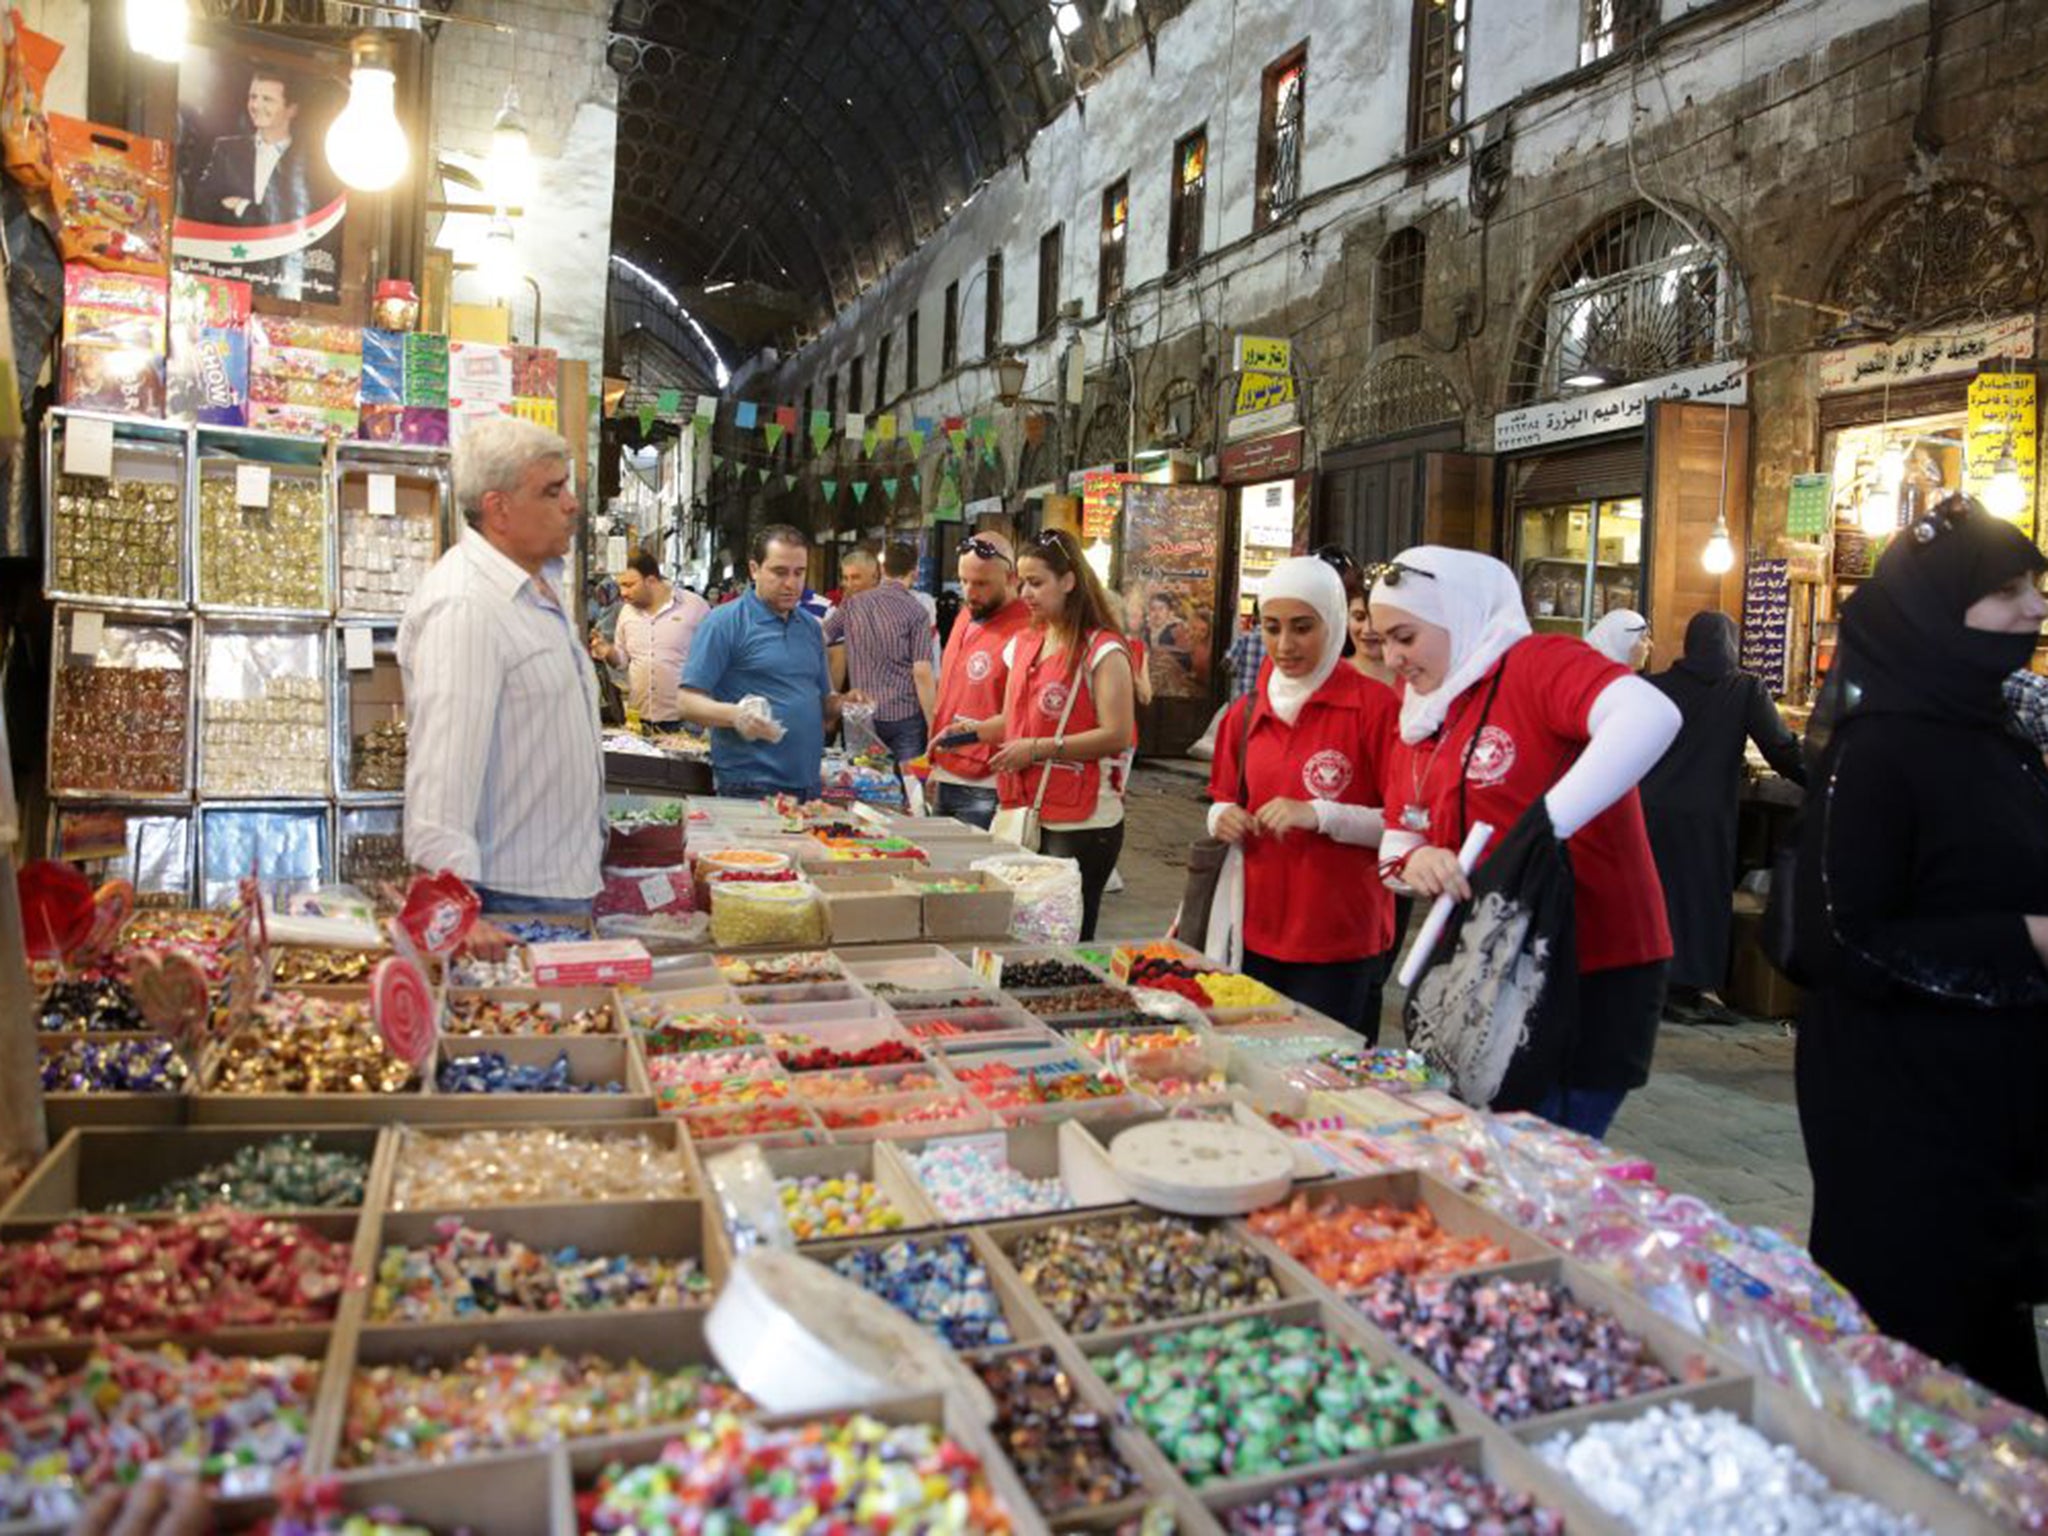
(1643, 294)
(1953, 253)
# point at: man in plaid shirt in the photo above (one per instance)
(1247, 655)
(881, 639)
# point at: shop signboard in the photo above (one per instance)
(1171, 535)
(1929, 355)
(1275, 418)
(1617, 410)
(1102, 498)
(1265, 535)
(1265, 374)
(1806, 506)
(2004, 419)
(1262, 458)
(1767, 621)
(257, 201)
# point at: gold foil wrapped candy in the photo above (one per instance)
(263, 557)
(118, 538)
(297, 1044)
(120, 729)
(370, 859)
(377, 758)
(533, 1167)
(274, 744)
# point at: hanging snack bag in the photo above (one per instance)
(24, 130)
(113, 193)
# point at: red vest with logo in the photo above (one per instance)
(971, 681)
(1034, 698)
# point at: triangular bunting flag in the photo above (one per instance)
(983, 428)
(669, 401)
(717, 459)
(889, 488)
(703, 429)
(860, 492)
(915, 437)
(789, 482)
(917, 481)
(831, 490)
(773, 432)
(744, 414)
(868, 440)
(821, 430)
(956, 433)
(707, 407)
(885, 428)
(646, 414)
(989, 458)
(785, 417)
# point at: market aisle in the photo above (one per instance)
(1717, 1118)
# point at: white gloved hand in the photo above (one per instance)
(757, 720)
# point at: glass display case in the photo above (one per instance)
(393, 517)
(369, 712)
(1580, 560)
(116, 523)
(263, 727)
(263, 532)
(120, 705)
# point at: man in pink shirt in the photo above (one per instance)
(657, 623)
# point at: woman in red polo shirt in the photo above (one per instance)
(1494, 717)
(1317, 922)
(1067, 721)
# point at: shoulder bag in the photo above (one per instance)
(1020, 824)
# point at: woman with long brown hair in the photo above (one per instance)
(1068, 714)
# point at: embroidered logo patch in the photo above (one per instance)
(979, 665)
(1493, 758)
(1052, 698)
(1326, 775)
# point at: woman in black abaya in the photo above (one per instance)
(1923, 921)
(1690, 797)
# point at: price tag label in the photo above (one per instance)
(383, 496)
(356, 650)
(657, 891)
(252, 485)
(988, 965)
(89, 447)
(88, 628)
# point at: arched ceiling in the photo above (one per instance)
(796, 149)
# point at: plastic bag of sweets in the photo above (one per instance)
(113, 196)
(24, 129)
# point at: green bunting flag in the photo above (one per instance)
(646, 414)
(889, 488)
(957, 436)
(917, 481)
(773, 432)
(669, 401)
(831, 490)
(984, 428)
(821, 431)
(860, 492)
(915, 437)
(789, 482)
(868, 440)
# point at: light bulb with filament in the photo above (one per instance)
(2006, 494)
(156, 28)
(1879, 512)
(366, 144)
(508, 171)
(1718, 558)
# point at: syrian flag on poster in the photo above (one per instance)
(232, 245)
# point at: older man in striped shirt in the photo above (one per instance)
(880, 639)
(504, 772)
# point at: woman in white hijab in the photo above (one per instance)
(1296, 783)
(1623, 636)
(1495, 718)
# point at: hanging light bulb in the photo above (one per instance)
(497, 263)
(1891, 468)
(157, 28)
(1879, 513)
(509, 170)
(2006, 494)
(1718, 558)
(366, 144)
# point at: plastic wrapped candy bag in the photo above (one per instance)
(1048, 909)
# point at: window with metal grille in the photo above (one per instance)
(856, 383)
(1049, 245)
(1436, 83)
(1280, 120)
(1116, 222)
(910, 352)
(1403, 264)
(949, 334)
(1608, 26)
(882, 371)
(992, 307)
(1190, 181)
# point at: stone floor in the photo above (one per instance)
(1717, 1117)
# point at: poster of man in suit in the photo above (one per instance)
(256, 199)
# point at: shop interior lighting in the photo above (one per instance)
(2006, 494)
(508, 172)
(156, 28)
(1891, 468)
(1588, 378)
(497, 262)
(366, 144)
(1718, 558)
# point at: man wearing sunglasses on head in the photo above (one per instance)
(972, 676)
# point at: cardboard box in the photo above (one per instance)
(980, 913)
(869, 909)
(591, 963)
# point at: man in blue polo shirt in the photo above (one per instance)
(764, 647)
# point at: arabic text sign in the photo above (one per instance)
(1265, 373)
(2004, 412)
(1767, 621)
(1617, 410)
(1932, 355)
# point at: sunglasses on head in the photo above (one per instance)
(986, 548)
(1393, 573)
(1336, 557)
